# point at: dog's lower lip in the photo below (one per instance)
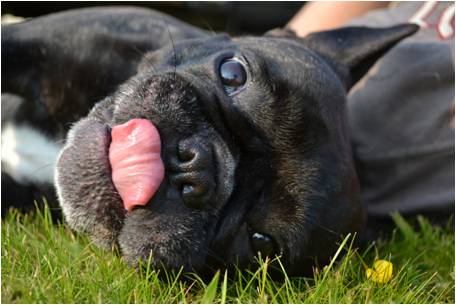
(226, 233)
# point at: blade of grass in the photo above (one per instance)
(224, 287)
(211, 290)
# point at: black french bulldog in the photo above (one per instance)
(253, 132)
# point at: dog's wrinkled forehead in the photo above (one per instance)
(189, 51)
(276, 53)
(279, 63)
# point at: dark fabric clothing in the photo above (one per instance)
(401, 116)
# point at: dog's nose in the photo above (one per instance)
(194, 172)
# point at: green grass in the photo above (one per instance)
(48, 263)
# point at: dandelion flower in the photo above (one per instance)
(382, 271)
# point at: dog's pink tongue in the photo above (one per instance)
(137, 169)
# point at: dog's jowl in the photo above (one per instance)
(203, 150)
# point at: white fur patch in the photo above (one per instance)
(28, 156)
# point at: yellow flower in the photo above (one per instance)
(382, 272)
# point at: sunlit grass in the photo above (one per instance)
(44, 262)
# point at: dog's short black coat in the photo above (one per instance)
(272, 152)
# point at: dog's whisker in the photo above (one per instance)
(174, 48)
(154, 69)
(228, 19)
(137, 50)
(206, 24)
(60, 141)
(214, 255)
(43, 167)
(313, 222)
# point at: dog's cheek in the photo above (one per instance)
(88, 198)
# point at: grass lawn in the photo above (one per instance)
(47, 263)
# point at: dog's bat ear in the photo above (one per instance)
(351, 51)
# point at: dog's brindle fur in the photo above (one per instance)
(275, 156)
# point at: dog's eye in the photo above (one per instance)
(233, 75)
(263, 243)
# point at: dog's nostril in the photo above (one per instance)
(194, 196)
(187, 190)
(186, 154)
(196, 188)
(193, 155)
